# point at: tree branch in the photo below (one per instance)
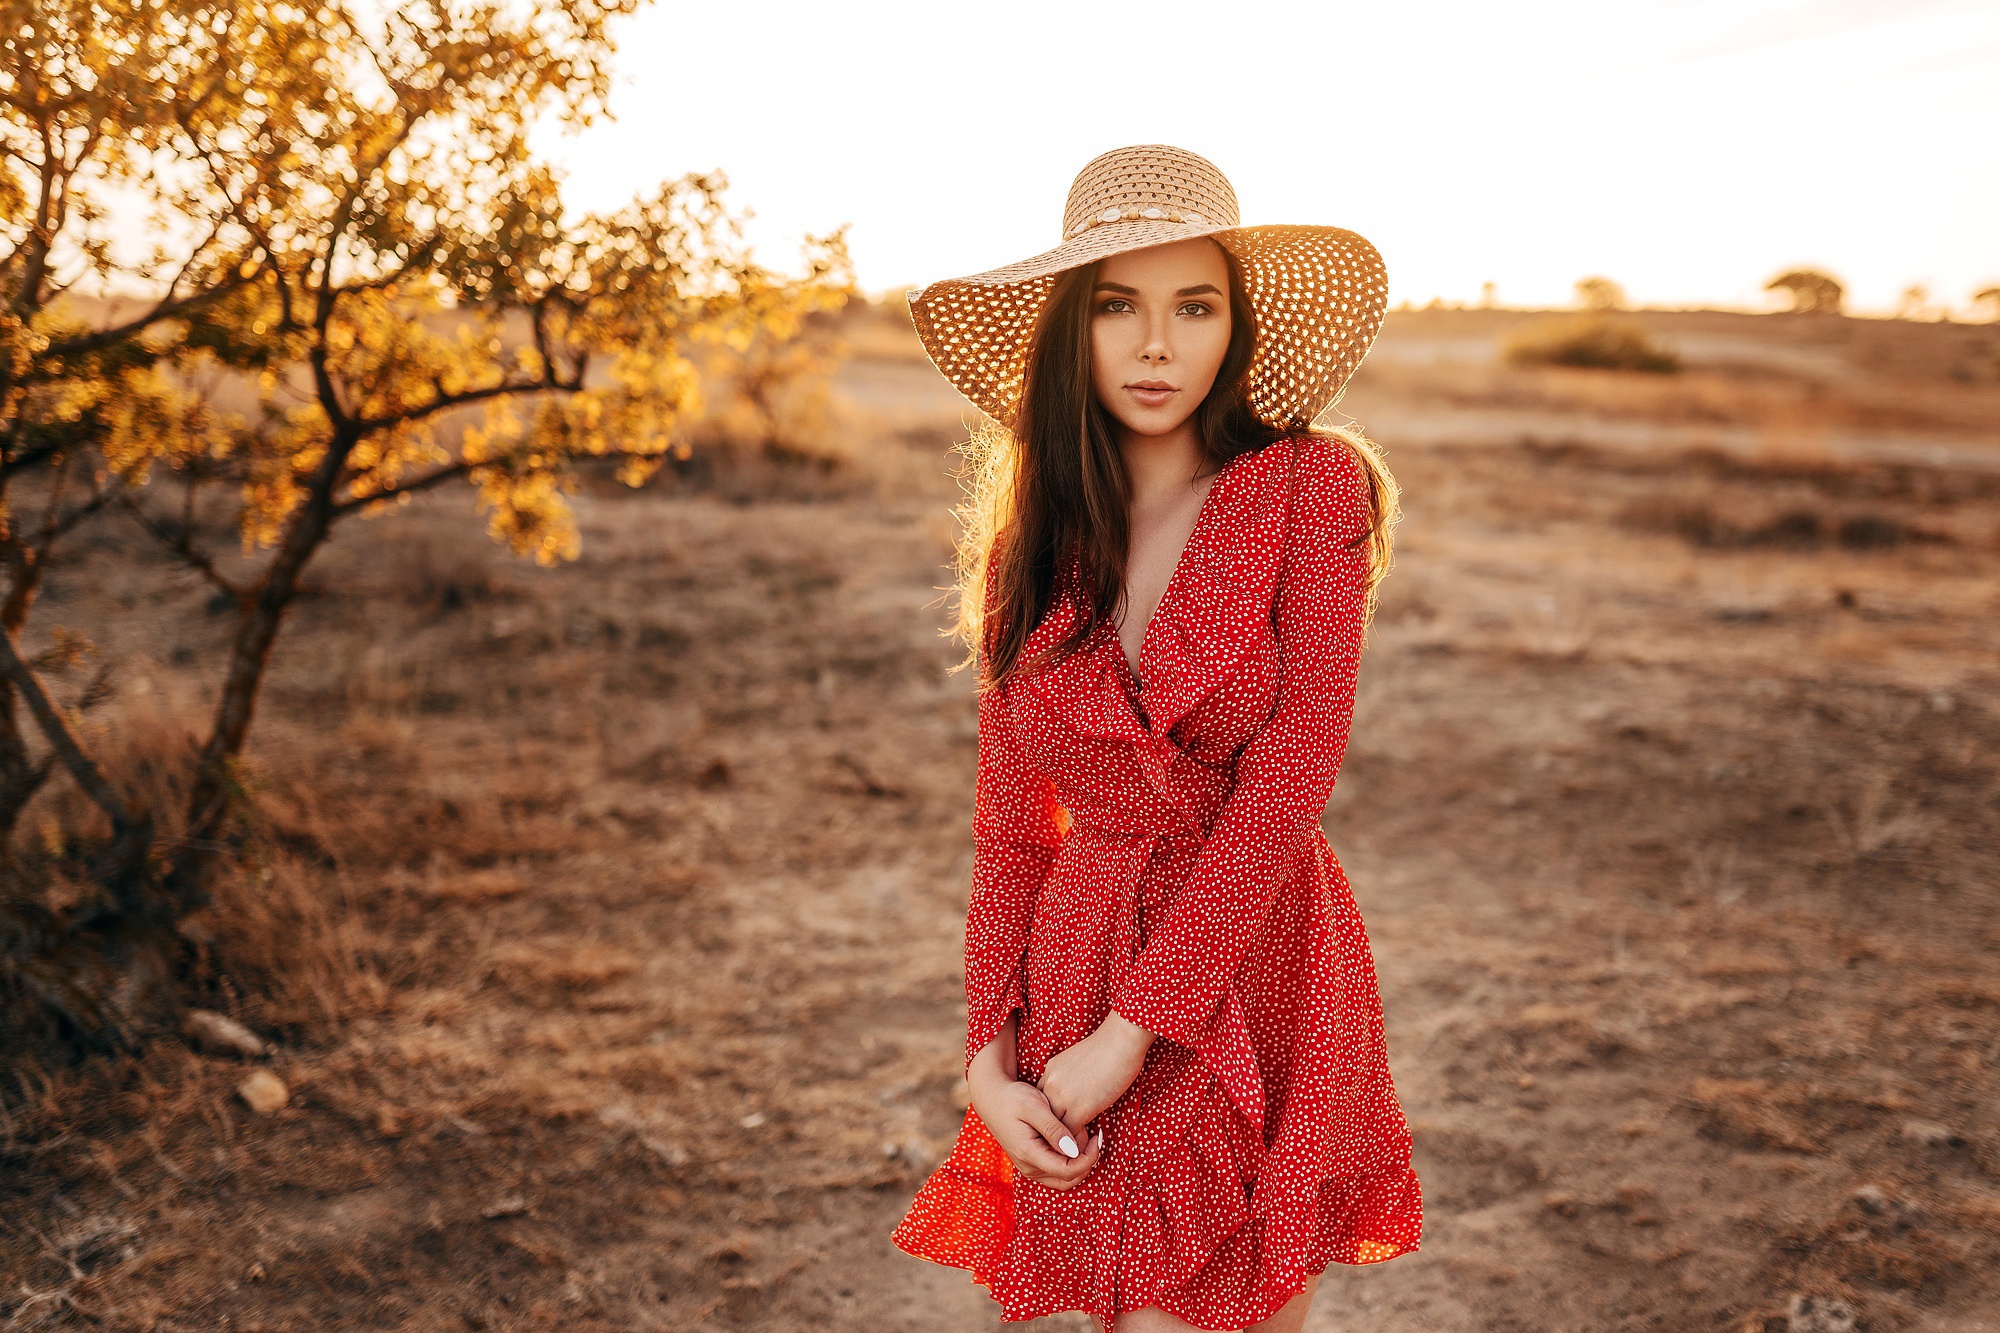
(419, 251)
(343, 217)
(538, 322)
(57, 524)
(166, 309)
(444, 402)
(436, 476)
(64, 525)
(181, 544)
(61, 738)
(28, 458)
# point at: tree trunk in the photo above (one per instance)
(20, 778)
(257, 627)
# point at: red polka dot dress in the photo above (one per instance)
(1157, 850)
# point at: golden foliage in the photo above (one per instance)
(379, 250)
(366, 288)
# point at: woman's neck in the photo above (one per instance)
(1159, 466)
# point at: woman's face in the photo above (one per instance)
(1159, 329)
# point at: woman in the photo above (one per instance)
(1181, 1105)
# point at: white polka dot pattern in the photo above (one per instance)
(1192, 890)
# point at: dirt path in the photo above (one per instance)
(1677, 859)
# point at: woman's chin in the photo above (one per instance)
(1151, 424)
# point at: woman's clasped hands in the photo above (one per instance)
(1044, 1127)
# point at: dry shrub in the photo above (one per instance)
(777, 420)
(60, 975)
(1591, 342)
(1697, 520)
(1873, 819)
(281, 945)
(284, 946)
(1734, 961)
(1749, 1112)
(539, 973)
(476, 888)
(1858, 503)
(1892, 1251)
(1976, 1212)
(439, 573)
(881, 331)
(1868, 378)
(142, 737)
(1893, 1265)
(770, 422)
(773, 397)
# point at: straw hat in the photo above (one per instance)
(1318, 291)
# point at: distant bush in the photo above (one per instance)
(1590, 341)
(1811, 291)
(1599, 294)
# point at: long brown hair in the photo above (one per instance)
(1048, 502)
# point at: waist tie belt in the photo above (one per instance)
(1133, 852)
(1224, 1046)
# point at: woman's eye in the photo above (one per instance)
(1117, 305)
(1194, 308)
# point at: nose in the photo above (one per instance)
(1155, 351)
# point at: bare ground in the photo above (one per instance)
(608, 916)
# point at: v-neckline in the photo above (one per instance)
(1134, 672)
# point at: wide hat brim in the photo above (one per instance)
(1319, 294)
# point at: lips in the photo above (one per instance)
(1151, 393)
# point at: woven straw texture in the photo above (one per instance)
(1319, 292)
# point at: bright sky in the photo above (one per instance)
(1688, 149)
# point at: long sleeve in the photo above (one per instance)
(1285, 773)
(1017, 829)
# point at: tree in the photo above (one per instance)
(1599, 294)
(89, 95)
(1811, 291)
(379, 254)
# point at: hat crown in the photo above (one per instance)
(1153, 175)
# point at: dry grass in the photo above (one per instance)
(1790, 381)
(607, 916)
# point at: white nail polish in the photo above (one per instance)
(1067, 1144)
(1100, 1138)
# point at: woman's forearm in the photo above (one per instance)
(1126, 1032)
(998, 1059)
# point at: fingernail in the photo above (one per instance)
(1067, 1144)
(1100, 1138)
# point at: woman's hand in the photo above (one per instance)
(1041, 1146)
(1081, 1082)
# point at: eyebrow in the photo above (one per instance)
(1199, 289)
